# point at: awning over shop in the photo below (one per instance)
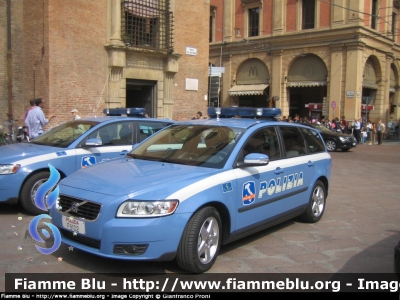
(369, 85)
(365, 107)
(247, 89)
(314, 106)
(306, 84)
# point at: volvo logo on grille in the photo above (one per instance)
(75, 206)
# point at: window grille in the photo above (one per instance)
(147, 24)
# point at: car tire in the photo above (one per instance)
(345, 149)
(316, 206)
(331, 145)
(28, 191)
(201, 241)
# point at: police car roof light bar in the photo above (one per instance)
(129, 111)
(244, 112)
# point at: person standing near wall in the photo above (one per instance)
(369, 132)
(198, 116)
(380, 128)
(33, 105)
(357, 130)
(75, 115)
(35, 120)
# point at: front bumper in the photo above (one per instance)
(10, 186)
(347, 144)
(160, 235)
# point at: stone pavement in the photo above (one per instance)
(357, 233)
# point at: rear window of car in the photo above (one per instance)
(149, 128)
(293, 141)
(314, 141)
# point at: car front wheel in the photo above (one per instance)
(316, 206)
(200, 242)
(331, 145)
(29, 190)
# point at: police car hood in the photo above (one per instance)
(15, 152)
(137, 178)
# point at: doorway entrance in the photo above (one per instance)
(142, 93)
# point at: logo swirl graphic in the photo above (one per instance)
(46, 196)
(33, 230)
(51, 198)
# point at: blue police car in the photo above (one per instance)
(68, 147)
(194, 186)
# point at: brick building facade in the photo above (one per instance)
(319, 58)
(96, 54)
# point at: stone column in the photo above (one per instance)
(116, 92)
(228, 25)
(115, 26)
(165, 103)
(336, 83)
(276, 82)
(385, 81)
(278, 17)
(338, 12)
(354, 78)
(356, 7)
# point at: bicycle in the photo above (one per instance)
(22, 135)
(10, 137)
(3, 139)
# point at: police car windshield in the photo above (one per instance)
(196, 145)
(64, 134)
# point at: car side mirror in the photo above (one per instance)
(254, 160)
(94, 142)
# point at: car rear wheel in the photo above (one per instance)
(200, 242)
(316, 206)
(331, 145)
(28, 192)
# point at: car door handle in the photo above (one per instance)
(279, 171)
(123, 152)
(310, 164)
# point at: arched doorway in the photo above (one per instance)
(306, 87)
(252, 81)
(369, 89)
(392, 92)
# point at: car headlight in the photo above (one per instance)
(9, 169)
(343, 139)
(140, 209)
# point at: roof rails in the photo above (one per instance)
(130, 112)
(244, 112)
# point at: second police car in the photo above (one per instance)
(194, 186)
(68, 147)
